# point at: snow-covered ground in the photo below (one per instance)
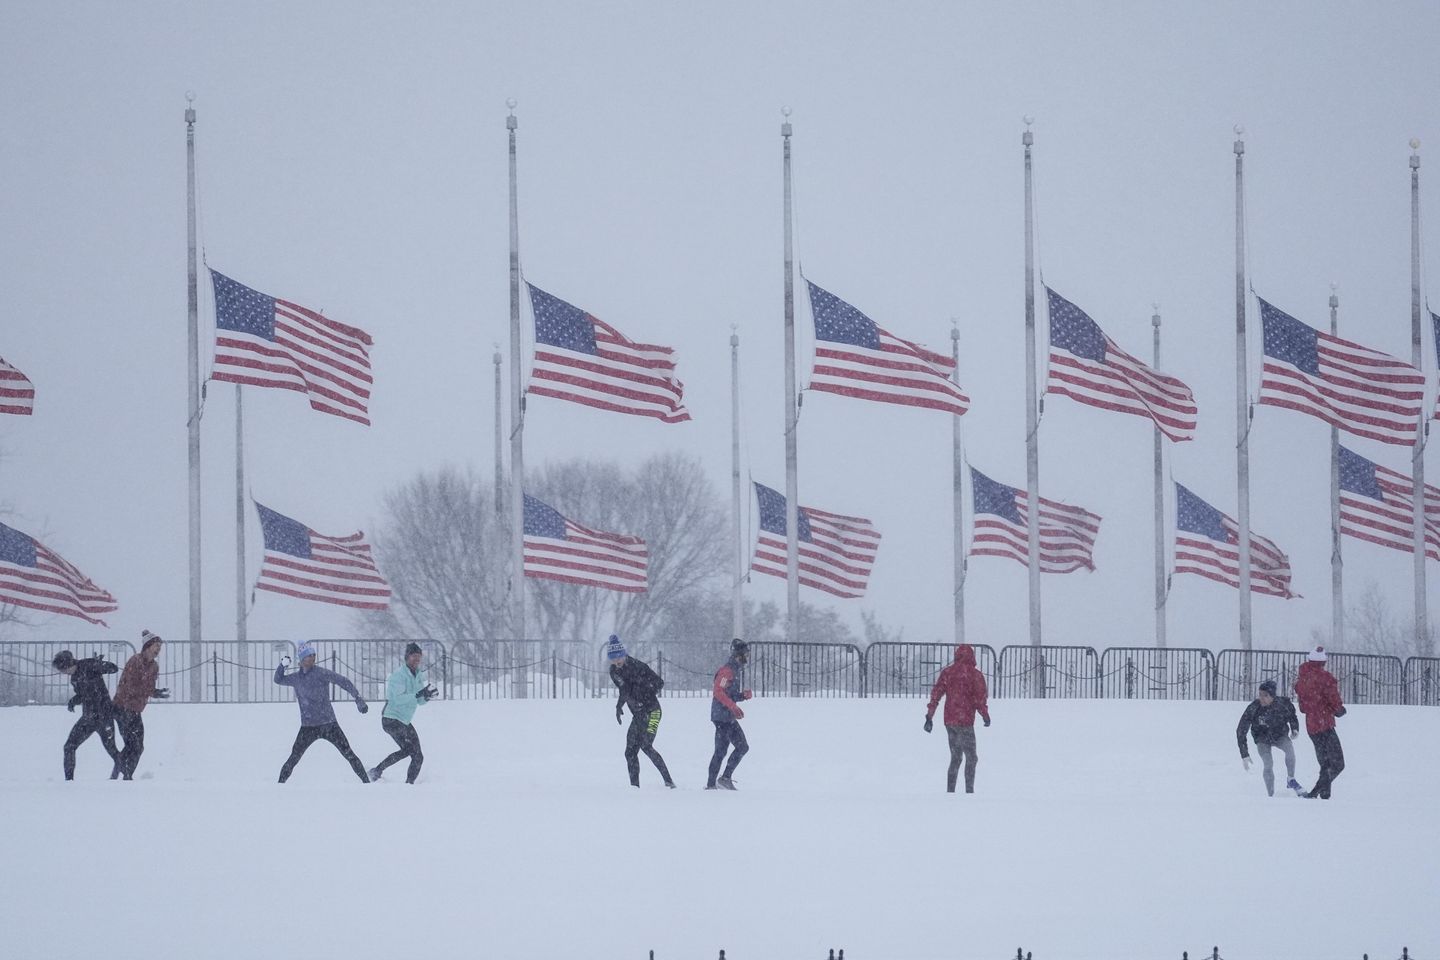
(1099, 830)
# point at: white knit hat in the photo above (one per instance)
(1317, 655)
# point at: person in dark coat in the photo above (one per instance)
(1270, 719)
(1319, 697)
(962, 685)
(726, 714)
(639, 688)
(136, 687)
(97, 713)
(317, 717)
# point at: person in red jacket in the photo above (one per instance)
(136, 687)
(1319, 697)
(963, 687)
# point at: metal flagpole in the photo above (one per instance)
(499, 442)
(1161, 594)
(193, 412)
(241, 609)
(1337, 563)
(792, 483)
(737, 618)
(1242, 402)
(1032, 420)
(517, 420)
(958, 496)
(1422, 628)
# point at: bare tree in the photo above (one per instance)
(1372, 626)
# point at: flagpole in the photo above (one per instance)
(240, 606)
(792, 483)
(1242, 405)
(1161, 594)
(1337, 563)
(1032, 422)
(958, 496)
(1422, 628)
(193, 399)
(737, 617)
(517, 417)
(499, 441)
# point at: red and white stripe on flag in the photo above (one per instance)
(1269, 566)
(837, 558)
(339, 570)
(1390, 522)
(589, 557)
(1067, 535)
(17, 393)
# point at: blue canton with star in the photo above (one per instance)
(992, 497)
(284, 535)
(543, 520)
(1357, 475)
(561, 324)
(1194, 515)
(241, 309)
(1072, 330)
(772, 513)
(16, 547)
(1289, 340)
(838, 322)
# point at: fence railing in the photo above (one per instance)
(1150, 673)
(1041, 672)
(910, 669)
(26, 676)
(1422, 681)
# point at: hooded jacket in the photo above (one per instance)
(963, 687)
(400, 693)
(1267, 725)
(1319, 696)
(88, 682)
(137, 683)
(639, 686)
(312, 692)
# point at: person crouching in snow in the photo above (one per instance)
(726, 714)
(963, 687)
(97, 713)
(1271, 720)
(317, 717)
(136, 687)
(406, 689)
(639, 686)
(1319, 697)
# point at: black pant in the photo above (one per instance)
(641, 737)
(327, 731)
(132, 728)
(962, 747)
(91, 721)
(1331, 759)
(408, 740)
(727, 732)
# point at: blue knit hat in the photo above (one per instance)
(614, 649)
(307, 649)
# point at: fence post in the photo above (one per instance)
(554, 672)
(1129, 678)
(214, 677)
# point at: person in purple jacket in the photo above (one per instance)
(317, 717)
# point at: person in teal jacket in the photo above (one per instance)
(406, 689)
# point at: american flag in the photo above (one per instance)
(17, 393)
(558, 548)
(1348, 386)
(583, 359)
(1207, 542)
(1067, 533)
(307, 565)
(1435, 323)
(856, 358)
(1377, 504)
(264, 341)
(1086, 365)
(34, 576)
(836, 552)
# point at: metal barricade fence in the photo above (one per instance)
(1367, 678)
(27, 677)
(783, 669)
(1238, 673)
(471, 669)
(1422, 681)
(223, 671)
(1064, 672)
(898, 669)
(687, 666)
(1151, 673)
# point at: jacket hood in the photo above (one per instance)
(965, 655)
(1311, 667)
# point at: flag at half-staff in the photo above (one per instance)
(558, 548)
(37, 578)
(1207, 543)
(1378, 504)
(1000, 529)
(263, 341)
(585, 360)
(306, 565)
(855, 357)
(1354, 388)
(17, 393)
(1087, 366)
(1435, 325)
(837, 552)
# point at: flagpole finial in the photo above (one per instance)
(510, 104)
(1334, 298)
(785, 128)
(1414, 153)
(1155, 313)
(1028, 138)
(189, 106)
(734, 334)
(1239, 139)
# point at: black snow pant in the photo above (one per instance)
(727, 732)
(408, 741)
(132, 729)
(326, 731)
(1331, 759)
(91, 721)
(962, 747)
(641, 737)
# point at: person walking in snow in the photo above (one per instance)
(132, 693)
(726, 714)
(1271, 721)
(406, 689)
(963, 687)
(1319, 696)
(97, 713)
(317, 717)
(639, 687)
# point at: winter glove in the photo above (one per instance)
(1246, 762)
(70, 707)
(161, 693)
(747, 694)
(739, 714)
(1339, 711)
(619, 713)
(929, 724)
(362, 706)
(1294, 734)
(987, 721)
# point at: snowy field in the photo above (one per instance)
(1099, 830)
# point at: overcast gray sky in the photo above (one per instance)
(352, 158)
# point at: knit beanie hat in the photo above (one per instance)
(147, 638)
(1268, 686)
(1317, 655)
(307, 649)
(63, 660)
(412, 647)
(614, 649)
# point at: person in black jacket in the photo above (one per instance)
(640, 688)
(97, 713)
(1271, 720)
